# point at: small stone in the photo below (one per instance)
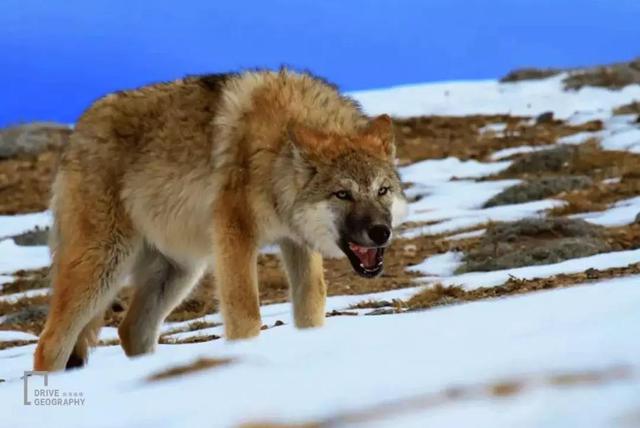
(546, 117)
(381, 311)
(278, 323)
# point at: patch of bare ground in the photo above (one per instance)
(196, 366)
(632, 108)
(599, 196)
(534, 241)
(562, 165)
(496, 390)
(25, 280)
(613, 76)
(587, 159)
(529, 73)
(25, 182)
(436, 137)
(439, 295)
(539, 188)
(15, 343)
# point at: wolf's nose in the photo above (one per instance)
(379, 234)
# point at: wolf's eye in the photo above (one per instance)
(343, 194)
(383, 191)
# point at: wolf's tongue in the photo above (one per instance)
(367, 256)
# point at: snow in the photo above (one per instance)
(471, 280)
(627, 139)
(15, 257)
(15, 335)
(508, 152)
(441, 264)
(448, 168)
(11, 225)
(528, 98)
(495, 128)
(619, 214)
(360, 363)
(14, 297)
(466, 235)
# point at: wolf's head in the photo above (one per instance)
(348, 194)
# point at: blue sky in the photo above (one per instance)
(58, 56)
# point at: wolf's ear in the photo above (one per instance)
(380, 129)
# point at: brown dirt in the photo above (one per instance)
(196, 366)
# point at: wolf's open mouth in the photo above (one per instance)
(366, 261)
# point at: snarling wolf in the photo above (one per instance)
(165, 182)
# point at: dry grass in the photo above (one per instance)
(440, 295)
(25, 182)
(196, 366)
(435, 137)
(15, 343)
(26, 280)
(599, 196)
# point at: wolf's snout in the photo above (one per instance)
(379, 234)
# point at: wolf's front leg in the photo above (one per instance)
(236, 271)
(306, 281)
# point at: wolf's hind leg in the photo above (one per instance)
(85, 279)
(306, 283)
(160, 286)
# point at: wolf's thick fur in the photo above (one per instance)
(164, 182)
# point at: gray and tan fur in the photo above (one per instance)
(168, 181)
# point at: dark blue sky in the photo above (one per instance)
(57, 56)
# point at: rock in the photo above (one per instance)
(546, 117)
(32, 138)
(33, 237)
(534, 190)
(637, 219)
(381, 311)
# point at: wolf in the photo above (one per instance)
(163, 183)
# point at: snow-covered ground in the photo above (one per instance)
(559, 358)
